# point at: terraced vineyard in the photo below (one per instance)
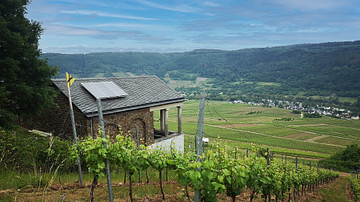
(245, 126)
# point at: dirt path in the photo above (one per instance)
(310, 125)
(336, 191)
(240, 125)
(316, 138)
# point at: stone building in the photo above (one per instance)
(143, 96)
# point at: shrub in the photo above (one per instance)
(24, 151)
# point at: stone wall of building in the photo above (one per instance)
(126, 122)
(57, 120)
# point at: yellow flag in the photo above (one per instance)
(69, 79)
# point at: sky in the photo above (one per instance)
(85, 26)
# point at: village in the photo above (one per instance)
(299, 107)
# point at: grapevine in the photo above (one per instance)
(355, 186)
(217, 172)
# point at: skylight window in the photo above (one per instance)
(104, 90)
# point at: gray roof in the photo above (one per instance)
(143, 92)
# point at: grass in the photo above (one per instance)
(120, 74)
(99, 75)
(332, 130)
(334, 193)
(281, 136)
(179, 83)
(268, 84)
(347, 99)
(302, 136)
(336, 140)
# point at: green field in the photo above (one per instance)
(246, 126)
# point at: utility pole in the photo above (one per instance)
(199, 140)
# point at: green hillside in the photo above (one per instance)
(328, 70)
(284, 132)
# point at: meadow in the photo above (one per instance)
(246, 126)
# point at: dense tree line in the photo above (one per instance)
(309, 69)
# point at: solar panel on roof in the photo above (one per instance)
(104, 89)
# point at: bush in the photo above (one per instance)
(296, 112)
(346, 161)
(24, 151)
(315, 115)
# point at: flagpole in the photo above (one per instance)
(68, 83)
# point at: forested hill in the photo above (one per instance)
(308, 69)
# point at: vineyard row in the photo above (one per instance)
(214, 172)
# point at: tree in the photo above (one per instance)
(347, 160)
(25, 80)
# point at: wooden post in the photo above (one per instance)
(199, 140)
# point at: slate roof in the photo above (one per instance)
(143, 92)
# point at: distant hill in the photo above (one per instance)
(325, 69)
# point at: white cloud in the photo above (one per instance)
(311, 4)
(103, 14)
(178, 8)
(84, 49)
(154, 27)
(70, 30)
(210, 4)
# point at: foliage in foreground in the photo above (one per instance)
(217, 172)
(28, 152)
(25, 79)
(355, 186)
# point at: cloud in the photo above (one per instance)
(312, 4)
(269, 39)
(178, 8)
(84, 49)
(154, 27)
(122, 25)
(226, 24)
(210, 4)
(70, 30)
(185, 24)
(103, 14)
